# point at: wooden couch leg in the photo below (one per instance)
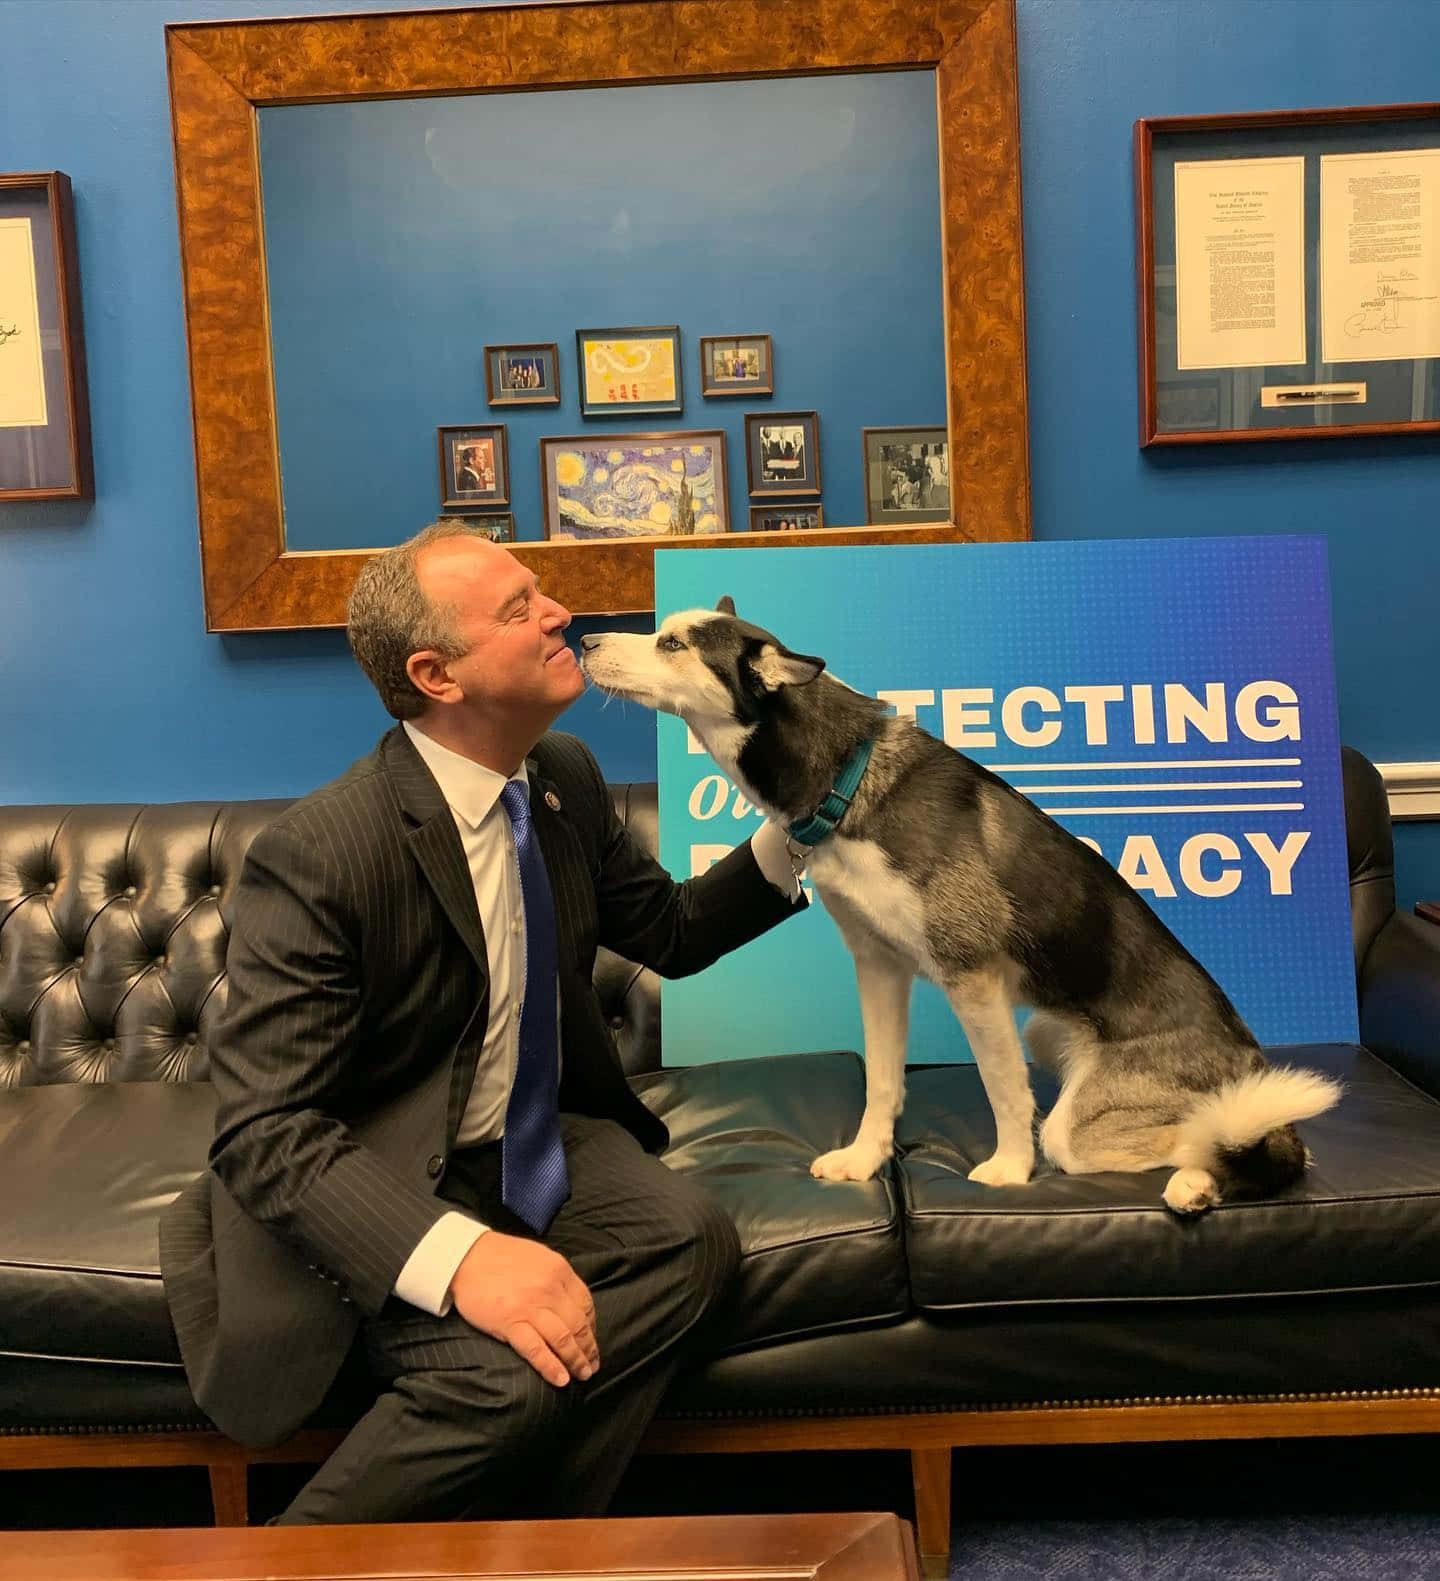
(931, 1471)
(230, 1493)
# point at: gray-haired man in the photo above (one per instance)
(424, 1145)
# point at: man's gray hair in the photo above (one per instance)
(389, 618)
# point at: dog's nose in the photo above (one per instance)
(589, 641)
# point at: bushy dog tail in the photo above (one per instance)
(1244, 1132)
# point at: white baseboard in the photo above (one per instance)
(1413, 789)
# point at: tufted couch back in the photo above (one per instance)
(113, 926)
(114, 921)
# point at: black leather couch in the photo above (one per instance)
(917, 1311)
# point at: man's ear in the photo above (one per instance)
(773, 667)
(726, 606)
(430, 676)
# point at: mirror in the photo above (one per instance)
(332, 350)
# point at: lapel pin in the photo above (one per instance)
(552, 801)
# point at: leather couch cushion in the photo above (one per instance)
(93, 1164)
(818, 1255)
(79, 1269)
(1054, 1353)
(1364, 1218)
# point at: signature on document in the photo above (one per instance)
(1381, 313)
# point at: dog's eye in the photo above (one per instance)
(669, 644)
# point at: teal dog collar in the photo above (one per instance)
(826, 817)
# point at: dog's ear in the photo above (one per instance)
(726, 606)
(773, 667)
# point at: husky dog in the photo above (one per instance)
(939, 869)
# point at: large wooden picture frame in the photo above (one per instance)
(221, 72)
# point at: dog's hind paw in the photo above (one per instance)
(1003, 1169)
(1191, 1191)
(848, 1163)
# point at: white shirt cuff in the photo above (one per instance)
(772, 857)
(425, 1279)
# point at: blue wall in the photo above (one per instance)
(402, 235)
(111, 688)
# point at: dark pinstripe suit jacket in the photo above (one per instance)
(358, 1002)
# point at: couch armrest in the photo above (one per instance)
(1400, 999)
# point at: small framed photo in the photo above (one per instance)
(786, 518)
(736, 365)
(497, 526)
(604, 488)
(523, 375)
(44, 404)
(907, 475)
(629, 370)
(782, 452)
(474, 466)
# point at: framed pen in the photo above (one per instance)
(1288, 274)
(44, 408)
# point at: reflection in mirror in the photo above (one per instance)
(404, 236)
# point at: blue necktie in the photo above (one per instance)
(534, 1180)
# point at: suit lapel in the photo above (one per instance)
(434, 841)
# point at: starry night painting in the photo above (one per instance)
(625, 486)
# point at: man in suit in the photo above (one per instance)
(425, 1151)
(468, 479)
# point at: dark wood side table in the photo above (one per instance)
(1428, 909)
(843, 1547)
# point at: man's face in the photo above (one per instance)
(516, 664)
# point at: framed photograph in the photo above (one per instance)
(1288, 274)
(498, 526)
(474, 466)
(608, 487)
(907, 474)
(736, 365)
(44, 404)
(782, 452)
(523, 375)
(786, 518)
(629, 370)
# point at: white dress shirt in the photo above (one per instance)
(472, 793)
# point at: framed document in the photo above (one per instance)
(1288, 274)
(44, 408)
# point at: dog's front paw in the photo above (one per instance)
(855, 1162)
(1003, 1169)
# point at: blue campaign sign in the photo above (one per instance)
(1172, 702)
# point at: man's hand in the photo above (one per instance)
(770, 846)
(521, 1292)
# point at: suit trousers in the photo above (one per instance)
(464, 1428)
